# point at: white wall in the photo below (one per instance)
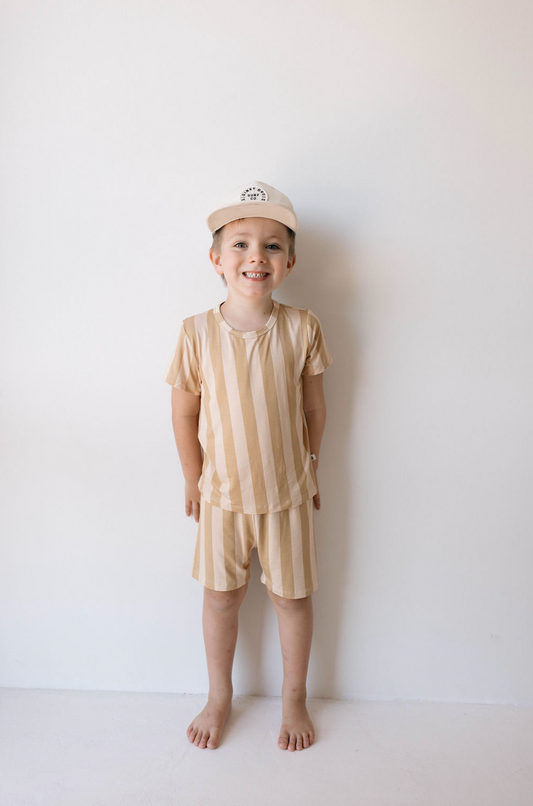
(402, 133)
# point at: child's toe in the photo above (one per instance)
(306, 740)
(299, 742)
(283, 740)
(213, 739)
(205, 736)
(292, 742)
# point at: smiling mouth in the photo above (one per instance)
(256, 275)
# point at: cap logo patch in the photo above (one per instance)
(254, 194)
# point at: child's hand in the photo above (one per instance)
(192, 500)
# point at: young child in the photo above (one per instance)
(248, 415)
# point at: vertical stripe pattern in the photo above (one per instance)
(285, 543)
(252, 426)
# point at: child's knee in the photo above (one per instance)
(290, 605)
(224, 600)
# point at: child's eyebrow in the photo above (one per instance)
(247, 234)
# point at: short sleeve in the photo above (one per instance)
(318, 356)
(183, 372)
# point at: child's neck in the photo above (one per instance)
(245, 314)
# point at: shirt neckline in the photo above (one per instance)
(247, 334)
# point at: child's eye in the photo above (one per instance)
(242, 243)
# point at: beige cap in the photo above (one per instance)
(255, 200)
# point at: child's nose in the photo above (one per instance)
(257, 256)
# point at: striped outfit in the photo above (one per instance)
(256, 455)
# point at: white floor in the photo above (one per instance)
(91, 748)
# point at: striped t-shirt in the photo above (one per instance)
(251, 426)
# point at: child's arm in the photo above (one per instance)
(314, 404)
(185, 412)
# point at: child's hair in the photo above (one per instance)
(217, 242)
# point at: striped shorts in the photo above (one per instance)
(285, 543)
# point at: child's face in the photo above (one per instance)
(255, 245)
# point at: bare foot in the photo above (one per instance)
(297, 731)
(206, 729)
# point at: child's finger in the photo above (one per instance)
(196, 510)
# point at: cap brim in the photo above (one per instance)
(233, 212)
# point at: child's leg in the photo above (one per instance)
(295, 620)
(220, 625)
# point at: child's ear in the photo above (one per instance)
(215, 258)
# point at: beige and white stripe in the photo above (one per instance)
(285, 543)
(252, 426)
